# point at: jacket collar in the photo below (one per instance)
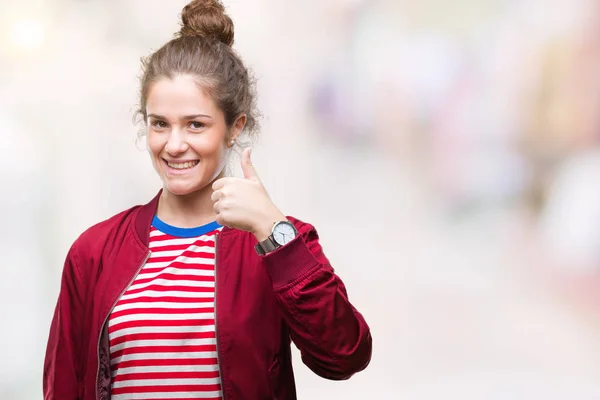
(144, 218)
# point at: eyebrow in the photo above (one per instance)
(193, 116)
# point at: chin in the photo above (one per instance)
(183, 189)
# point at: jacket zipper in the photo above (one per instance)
(215, 303)
(108, 315)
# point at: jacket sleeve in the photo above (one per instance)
(61, 377)
(332, 336)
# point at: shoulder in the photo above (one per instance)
(94, 239)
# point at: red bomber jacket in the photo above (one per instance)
(262, 303)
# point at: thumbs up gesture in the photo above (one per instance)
(243, 203)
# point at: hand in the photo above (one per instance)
(243, 203)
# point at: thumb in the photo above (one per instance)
(247, 167)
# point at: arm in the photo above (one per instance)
(333, 338)
(61, 379)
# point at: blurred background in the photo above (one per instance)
(459, 141)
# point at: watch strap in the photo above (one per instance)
(266, 246)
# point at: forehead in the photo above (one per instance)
(177, 96)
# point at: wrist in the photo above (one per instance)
(263, 228)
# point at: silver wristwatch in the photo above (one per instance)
(282, 233)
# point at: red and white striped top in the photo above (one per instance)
(162, 329)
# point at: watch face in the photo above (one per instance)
(283, 233)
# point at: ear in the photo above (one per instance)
(237, 127)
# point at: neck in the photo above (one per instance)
(186, 211)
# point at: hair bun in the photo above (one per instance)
(207, 18)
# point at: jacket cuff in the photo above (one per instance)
(289, 263)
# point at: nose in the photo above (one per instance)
(176, 144)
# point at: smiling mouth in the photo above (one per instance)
(181, 165)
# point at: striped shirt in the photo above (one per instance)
(162, 329)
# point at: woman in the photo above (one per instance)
(198, 293)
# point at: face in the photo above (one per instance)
(187, 136)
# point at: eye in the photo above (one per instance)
(196, 125)
(158, 124)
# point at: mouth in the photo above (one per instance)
(181, 166)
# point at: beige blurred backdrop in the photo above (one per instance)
(447, 152)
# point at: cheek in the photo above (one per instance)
(218, 156)
(209, 148)
(153, 144)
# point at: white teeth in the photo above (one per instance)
(185, 165)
